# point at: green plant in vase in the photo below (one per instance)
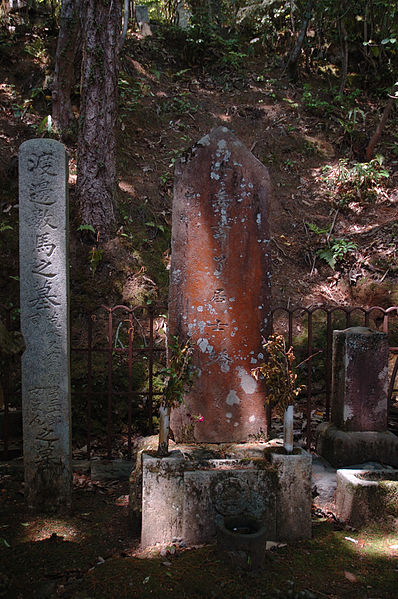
(280, 379)
(179, 376)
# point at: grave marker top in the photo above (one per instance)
(220, 286)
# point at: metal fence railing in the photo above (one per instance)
(117, 354)
(316, 340)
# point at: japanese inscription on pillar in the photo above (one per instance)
(45, 323)
(220, 286)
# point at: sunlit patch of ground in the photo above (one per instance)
(40, 529)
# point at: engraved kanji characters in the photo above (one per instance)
(44, 297)
(218, 325)
(219, 296)
(45, 244)
(44, 162)
(41, 267)
(41, 192)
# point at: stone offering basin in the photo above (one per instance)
(363, 496)
(184, 493)
(241, 539)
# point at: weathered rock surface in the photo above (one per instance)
(44, 275)
(220, 286)
(360, 379)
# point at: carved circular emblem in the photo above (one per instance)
(230, 496)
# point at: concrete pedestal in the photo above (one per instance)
(358, 432)
(366, 495)
(293, 513)
(343, 448)
(183, 494)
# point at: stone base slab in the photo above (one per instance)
(341, 448)
(183, 494)
(363, 496)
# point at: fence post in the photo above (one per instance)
(110, 355)
(150, 372)
(89, 382)
(309, 379)
(130, 388)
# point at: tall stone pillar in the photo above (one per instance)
(44, 268)
(220, 286)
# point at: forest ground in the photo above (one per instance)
(299, 131)
(94, 554)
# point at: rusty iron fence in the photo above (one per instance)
(134, 336)
(117, 354)
(8, 365)
(320, 321)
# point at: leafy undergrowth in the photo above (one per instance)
(93, 554)
(333, 218)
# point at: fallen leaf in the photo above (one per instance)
(350, 576)
(351, 540)
(123, 500)
(272, 545)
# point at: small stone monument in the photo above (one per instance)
(44, 267)
(141, 15)
(184, 16)
(358, 431)
(220, 285)
(142, 18)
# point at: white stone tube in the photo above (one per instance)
(164, 430)
(288, 429)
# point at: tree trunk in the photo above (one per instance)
(126, 15)
(68, 47)
(96, 166)
(377, 134)
(344, 70)
(294, 56)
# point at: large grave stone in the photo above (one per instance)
(358, 431)
(220, 286)
(44, 270)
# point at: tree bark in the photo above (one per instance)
(96, 168)
(344, 70)
(126, 15)
(294, 56)
(68, 47)
(377, 134)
